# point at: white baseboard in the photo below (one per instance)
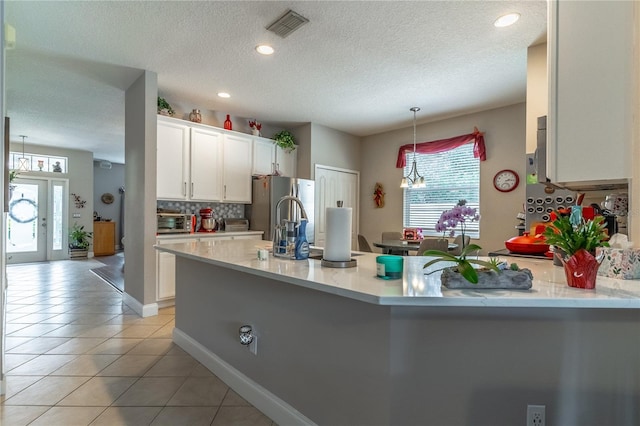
(272, 406)
(143, 310)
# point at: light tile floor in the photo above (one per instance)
(76, 356)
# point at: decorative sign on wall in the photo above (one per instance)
(378, 195)
(78, 201)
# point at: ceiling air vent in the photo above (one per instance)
(287, 23)
(104, 164)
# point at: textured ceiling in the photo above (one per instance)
(356, 66)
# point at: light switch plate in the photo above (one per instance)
(76, 215)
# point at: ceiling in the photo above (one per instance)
(356, 66)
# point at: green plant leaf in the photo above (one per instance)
(468, 272)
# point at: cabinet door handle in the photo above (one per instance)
(192, 189)
(273, 167)
(225, 192)
(184, 191)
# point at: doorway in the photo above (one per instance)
(334, 184)
(35, 220)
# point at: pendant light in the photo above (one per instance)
(413, 178)
(23, 162)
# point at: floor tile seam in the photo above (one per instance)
(63, 397)
(53, 406)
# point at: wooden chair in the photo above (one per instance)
(391, 235)
(458, 240)
(363, 244)
(432, 244)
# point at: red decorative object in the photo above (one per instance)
(378, 195)
(442, 145)
(227, 123)
(581, 269)
(526, 244)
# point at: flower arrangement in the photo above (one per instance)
(378, 195)
(571, 233)
(460, 214)
(255, 125)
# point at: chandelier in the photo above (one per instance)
(23, 162)
(413, 178)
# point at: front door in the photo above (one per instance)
(27, 221)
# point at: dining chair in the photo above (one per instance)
(391, 235)
(458, 240)
(363, 244)
(432, 244)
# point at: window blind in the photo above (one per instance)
(449, 176)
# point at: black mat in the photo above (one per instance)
(113, 271)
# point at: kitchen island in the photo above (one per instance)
(340, 346)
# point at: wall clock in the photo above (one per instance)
(506, 180)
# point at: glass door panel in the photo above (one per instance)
(26, 222)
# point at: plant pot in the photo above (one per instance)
(255, 132)
(78, 253)
(581, 269)
(507, 279)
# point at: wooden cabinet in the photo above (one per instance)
(104, 238)
(589, 125)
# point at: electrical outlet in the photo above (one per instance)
(76, 215)
(535, 415)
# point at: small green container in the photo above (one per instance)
(389, 267)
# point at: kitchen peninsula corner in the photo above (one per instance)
(343, 347)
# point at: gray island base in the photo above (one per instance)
(331, 356)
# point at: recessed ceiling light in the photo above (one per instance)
(264, 49)
(506, 20)
(224, 95)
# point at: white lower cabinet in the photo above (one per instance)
(166, 262)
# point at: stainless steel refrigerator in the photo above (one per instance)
(267, 191)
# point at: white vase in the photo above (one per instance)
(255, 132)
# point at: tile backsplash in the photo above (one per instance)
(220, 210)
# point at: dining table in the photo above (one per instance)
(403, 247)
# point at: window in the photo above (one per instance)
(39, 163)
(449, 176)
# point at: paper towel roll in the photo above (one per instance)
(337, 246)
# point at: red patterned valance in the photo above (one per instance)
(443, 145)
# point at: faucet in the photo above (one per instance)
(284, 235)
(291, 198)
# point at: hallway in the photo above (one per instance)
(77, 356)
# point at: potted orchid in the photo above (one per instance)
(255, 127)
(460, 214)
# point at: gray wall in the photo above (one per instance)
(340, 361)
(505, 142)
(109, 181)
(140, 182)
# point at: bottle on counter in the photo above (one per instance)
(302, 245)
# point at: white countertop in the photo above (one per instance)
(549, 288)
(218, 234)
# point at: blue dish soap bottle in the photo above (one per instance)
(302, 245)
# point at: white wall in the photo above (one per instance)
(504, 130)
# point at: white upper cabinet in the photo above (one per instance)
(286, 161)
(172, 160)
(264, 156)
(202, 163)
(589, 125)
(237, 168)
(206, 170)
(269, 158)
